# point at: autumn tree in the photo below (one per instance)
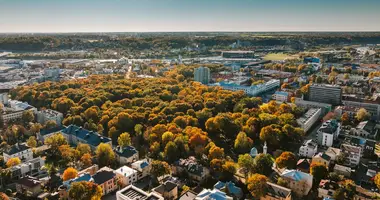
(105, 154)
(246, 162)
(345, 119)
(263, 164)
(229, 169)
(377, 180)
(55, 141)
(85, 191)
(13, 162)
(362, 115)
(124, 139)
(51, 124)
(216, 152)
(257, 185)
(286, 160)
(319, 171)
(86, 159)
(171, 152)
(28, 116)
(159, 168)
(243, 143)
(32, 142)
(270, 135)
(3, 196)
(83, 149)
(69, 174)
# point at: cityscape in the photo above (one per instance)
(189, 111)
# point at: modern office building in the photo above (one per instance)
(309, 118)
(202, 74)
(238, 54)
(325, 94)
(253, 90)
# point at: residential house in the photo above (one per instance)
(351, 111)
(126, 175)
(327, 189)
(333, 153)
(322, 158)
(230, 188)
(328, 133)
(207, 194)
(308, 149)
(142, 167)
(106, 179)
(353, 152)
(277, 192)
(190, 166)
(303, 165)
(46, 133)
(126, 155)
(75, 135)
(299, 182)
(18, 150)
(44, 116)
(131, 192)
(29, 168)
(168, 190)
(342, 170)
(63, 189)
(366, 129)
(29, 186)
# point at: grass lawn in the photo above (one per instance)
(276, 56)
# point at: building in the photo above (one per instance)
(188, 195)
(202, 74)
(75, 135)
(309, 118)
(195, 171)
(126, 175)
(18, 150)
(4, 98)
(106, 179)
(126, 155)
(308, 149)
(299, 182)
(30, 186)
(328, 133)
(64, 188)
(142, 167)
(168, 190)
(131, 192)
(329, 94)
(342, 170)
(281, 96)
(322, 158)
(351, 111)
(333, 153)
(366, 129)
(51, 74)
(15, 111)
(303, 165)
(252, 90)
(327, 189)
(207, 194)
(230, 188)
(31, 167)
(238, 54)
(277, 192)
(44, 116)
(372, 107)
(312, 104)
(353, 152)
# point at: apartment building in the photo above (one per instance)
(329, 94)
(309, 118)
(308, 149)
(18, 150)
(44, 116)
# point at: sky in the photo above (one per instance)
(188, 15)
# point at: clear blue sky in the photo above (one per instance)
(188, 15)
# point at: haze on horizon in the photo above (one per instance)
(188, 15)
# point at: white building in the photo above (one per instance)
(207, 194)
(308, 149)
(44, 116)
(15, 111)
(143, 168)
(309, 118)
(20, 151)
(281, 96)
(311, 104)
(250, 90)
(4, 98)
(328, 132)
(126, 155)
(333, 153)
(31, 167)
(132, 192)
(126, 175)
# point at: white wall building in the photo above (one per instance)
(354, 154)
(31, 167)
(132, 192)
(15, 111)
(308, 149)
(309, 118)
(250, 90)
(4, 98)
(126, 175)
(281, 96)
(143, 168)
(44, 116)
(18, 150)
(328, 132)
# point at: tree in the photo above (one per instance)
(51, 124)
(257, 185)
(319, 79)
(246, 162)
(159, 168)
(270, 135)
(104, 154)
(243, 143)
(167, 137)
(263, 164)
(69, 174)
(124, 139)
(13, 162)
(3, 196)
(346, 76)
(55, 141)
(86, 159)
(229, 169)
(345, 119)
(83, 149)
(85, 191)
(35, 128)
(286, 160)
(319, 171)
(28, 116)
(216, 152)
(377, 180)
(341, 158)
(171, 152)
(32, 142)
(362, 115)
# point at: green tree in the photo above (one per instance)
(124, 139)
(243, 143)
(159, 168)
(263, 164)
(171, 152)
(83, 149)
(246, 162)
(105, 154)
(85, 191)
(319, 171)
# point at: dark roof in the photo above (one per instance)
(103, 176)
(91, 138)
(52, 130)
(277, 190)
(303, 164)
(16, 149)
(166, 187)
(126, 152)
(28, 182)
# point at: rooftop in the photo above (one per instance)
(17, 148)
(329, 126)
(29, 182)
(277, 190)
(214, 194)
(140, 164)
(91, 138)
(310, 113)
(102, 176)
(310, 143)
(296, 175)
(166, 187)
(50, 113)
(125, 171)
(131, 192)
(126, 152)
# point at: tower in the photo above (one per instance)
(265, 148)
